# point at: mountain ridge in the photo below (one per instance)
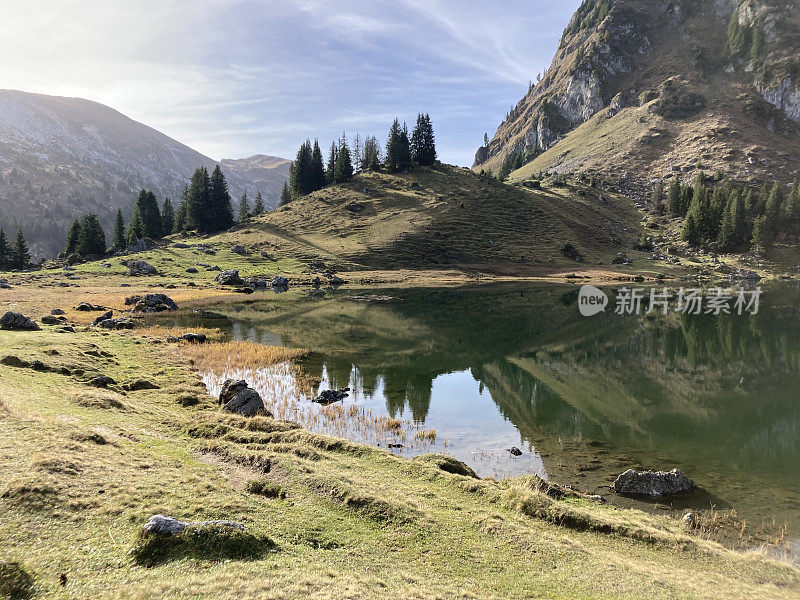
(60, 157)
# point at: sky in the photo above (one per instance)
(233, 78)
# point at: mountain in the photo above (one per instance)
(641, 90)
(60, 157)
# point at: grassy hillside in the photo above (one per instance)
(83, 468)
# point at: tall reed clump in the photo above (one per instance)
(239, 355)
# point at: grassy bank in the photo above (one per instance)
(83, 468)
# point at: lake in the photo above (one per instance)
(493, 367)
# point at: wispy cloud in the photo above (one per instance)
(238, 77)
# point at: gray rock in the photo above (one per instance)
(52, 320)
(57, 311)
(229, 278)
(280, 282)
(17, 321)
(317, 265)
(192, 338)
(192, 270)
(180, 245)
(86, 307)
(104, 317)
(139, 267)
(4, 285)
(102, 381)
(141, 245)
(154, 303)
(257, 283)
(239, 249)
(214, 268)
(331, 396)
(653, 483)
(514, 451)
(140, 384)
(334, 280)
(163, 525)
(117, 324)
(239, 399)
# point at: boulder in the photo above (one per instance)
(237, 398)
(192, 338)
(101, 381)
(163, 525)
(317, 266)
(257, 283)
(154, 303)
(4, 285)
(57, 311)
(192, 270)
(335, 280)
(139, 267)
(141, 245)
(239, 249)
(104, 317)
(514, 451)
(117, 324)
(140, 384)
(52, 320)
(86, 307)
(280, 282)
(229, 278)
(653, 483)
(17, 321)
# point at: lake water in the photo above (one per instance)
(584, 398)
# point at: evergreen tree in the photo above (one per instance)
(405, 150)
(119, 231)
(657, 201)
(393, 148)
(371, 160)
(182, 220)
(258, 205)
(92, 239)
(146, 207)
(300, 175)
(762, 200)
(220, 215)
(20, 255)
(5, 251)
(73, 237)
(751, 202)
(674, 202)
(734, 222)
(167, 217)
(691, 232)
(286, 194)
(762, 238)
(343, 169)
(793, 204)
(318, 176)
(135, 228)
(198, 200)
(773, 210)
(687, 194)
(423, 141)
(330, 171)
(244, 208)
(358, 152)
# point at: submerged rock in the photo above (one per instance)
(514, 451)
(653, 483)
(17, 321)
(331, 396)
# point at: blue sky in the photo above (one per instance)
(233, 78)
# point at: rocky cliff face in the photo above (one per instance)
(689, 82)
(60, 157)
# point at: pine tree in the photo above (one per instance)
(5, 251)
(146, 207)
(135, 228)
(343, 169)
(405, 150)
(330, 171)
(258, 205)
(198, 200)
(358, 151)
(92, 239)
(423, 142)
(318, 177)
(119, 231)
(762, 238)
(73, 237)
(300, 176)
(20, 255)
(286, 194)
(687, 194)
(691, 232)
(220, 215)
(674, 199)
(763, 196)
(751, 202)
(244, 208)
(793, 204)
(773, 210)
(393, 148)
(734, 222)
(657, 201)
(167, 217)
(371, 160)
(182, 219)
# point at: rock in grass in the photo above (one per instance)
(57, 312)
(192, 270)
(165, 538)
(153, 303)
(239, 249)
(15, 581)
(653, 483)
(101, 381)
(280, 283)
(229, 278)
(104, 317)
(140, 384)
(53, 320)
(117, 324)
(17, 321)
(86, 307)
(192, 338)
(139, 267)
(236, 397)
(448, 464)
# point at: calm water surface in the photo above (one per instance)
(493, 367)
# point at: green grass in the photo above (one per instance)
(83, 469)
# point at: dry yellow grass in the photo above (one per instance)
(246, 355)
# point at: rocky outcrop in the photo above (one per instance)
(785, 96)
(138, 268)
(653, 483)
(153, 303)
(17, 322)
(229, 278)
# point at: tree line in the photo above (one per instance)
(310, 173)
(730, 218)
(205, 206)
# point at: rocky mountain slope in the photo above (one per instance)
(60, 157)
(644, 90)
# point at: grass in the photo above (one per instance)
(83, 469)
